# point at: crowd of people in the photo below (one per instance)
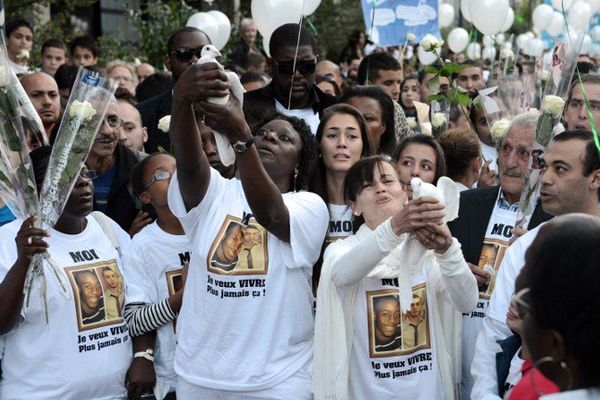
(313, 266)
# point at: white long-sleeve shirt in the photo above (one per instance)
(494, 327)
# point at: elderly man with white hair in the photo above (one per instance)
(246, 44)
(125, 74)
(484, 228)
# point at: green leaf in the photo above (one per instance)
(436, 97)
(430, 69)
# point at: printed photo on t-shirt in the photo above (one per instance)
(239, 249)
(174, 283)
(99, 294)
(392, 333)
(491, 256)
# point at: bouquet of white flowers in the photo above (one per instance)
(83, 116)
(564, 61)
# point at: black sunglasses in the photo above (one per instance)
(304, 67)
(185, 54)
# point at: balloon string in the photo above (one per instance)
(370, 36)
(295, 57)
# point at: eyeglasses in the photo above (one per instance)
(522, 306)
(303, 66)
(88, 173)
(185, 54)
(113, 121)
(159, 175)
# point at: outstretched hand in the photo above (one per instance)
(200, 82)
(227, 119)
(418, 213)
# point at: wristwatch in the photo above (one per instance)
(240, 146)
(148, 354)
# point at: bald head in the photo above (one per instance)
(330, 69)
(134, 134)
(43, 93)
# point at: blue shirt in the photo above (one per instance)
(102, 185)
(5, 215)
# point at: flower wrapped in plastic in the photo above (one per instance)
(81, 121)
(17, 166)
(439, 116)
(564, 61)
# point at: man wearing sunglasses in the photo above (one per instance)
(292, 91)
(183, 49)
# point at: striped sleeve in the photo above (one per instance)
(143, 318)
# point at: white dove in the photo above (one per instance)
(416, 15)
(406, 260)
(209, 54)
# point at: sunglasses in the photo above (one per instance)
(304, 67)
(185, 54)
(518, 301)
(159, 175)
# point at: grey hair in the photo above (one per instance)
(120, 63)
(246, 22)
(527, 120)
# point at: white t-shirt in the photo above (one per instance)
(514, 372)
(81, 353)
(390, 350)
(496, 240)
(340, 222)
(246, 322)
(308, 115)
(153, 269)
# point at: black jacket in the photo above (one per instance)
(152, 110)
(474, 213)
(121, 205)
(261, 102)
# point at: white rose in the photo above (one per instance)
(411, 37)
(164, 123)
(4, 77)
(500, 129)
(438, 120)
(23, 55)
(553, 105)
(83, 109)
(430, 43)
(507, 54)
(544, 75)
(412, 122)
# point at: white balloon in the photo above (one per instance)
(595, 33)
(510, 19)
(487, 41)
(536, 47)
(310, 6)
(473, 51)
(426, 57)
(580, 15)
(489, 15)
(557, 24)
(265, 41)
(488, 53)
(559, 4)
(269, 15)
(445, 15)
(458, 38)
(594, 4)
(595, 50)
(586, 45)
(224, 30)
(206, 23)
(465, 6)
(522, 41)
(541, 16)
(500, 39)
(530, 35)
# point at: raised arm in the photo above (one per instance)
(11, 289)
(262, 194)
(193, 170)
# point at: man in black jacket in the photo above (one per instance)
(113, 162)
(183, 49)
(485, 224)
(292, 91)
